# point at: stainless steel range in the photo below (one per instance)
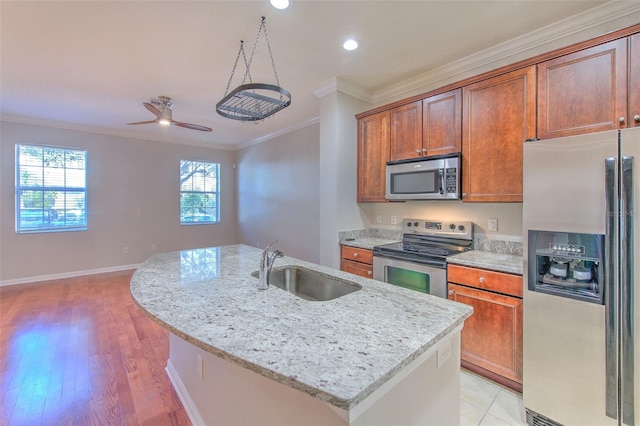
(419, 261)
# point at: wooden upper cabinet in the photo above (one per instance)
(498, 115)
(634, 81)
(432, 126)
(373, 154)
(406, 131)
(583, 92)
(442, 123)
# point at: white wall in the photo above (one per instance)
(133, 201)
(338, 165)
(278, 193)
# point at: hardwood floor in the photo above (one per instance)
(79, 351)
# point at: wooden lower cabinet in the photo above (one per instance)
(356, 261)
(492, 337)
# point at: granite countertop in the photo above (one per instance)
(339, 351)
(488, 260)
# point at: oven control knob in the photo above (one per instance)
(415, 224)
(409, 224)
(461, 228)
(452, 226)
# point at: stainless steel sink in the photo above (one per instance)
(310, 285)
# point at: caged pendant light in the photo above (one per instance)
(253, 101)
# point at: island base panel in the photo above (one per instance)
(217, 392)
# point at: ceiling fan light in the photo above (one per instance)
(280, 4)
(164, 122)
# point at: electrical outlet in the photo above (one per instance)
(379, 218)
(393, 220)
(493, 224)
(125, 250)
(153, 247)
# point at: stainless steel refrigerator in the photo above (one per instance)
(581, 359)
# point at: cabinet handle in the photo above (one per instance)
(481, 279)
(369, 273)
(424, 149)
(450, 292)
(636, 118)
(621, 120)
(355, 254)
(419, 151)
(464, 195)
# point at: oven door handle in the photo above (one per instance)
(441, 181)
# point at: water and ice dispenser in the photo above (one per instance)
(567, 264)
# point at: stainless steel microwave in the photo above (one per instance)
(426, 178)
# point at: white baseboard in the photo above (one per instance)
(183, 394)
(68, 275)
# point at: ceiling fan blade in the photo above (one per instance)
(142, 122)
(153, 109)
(192, 126)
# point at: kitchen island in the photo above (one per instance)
(239, 355)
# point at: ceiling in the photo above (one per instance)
(90, 64)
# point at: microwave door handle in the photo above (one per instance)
(441, 181)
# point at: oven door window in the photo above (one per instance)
(422, 182)
(406, 278)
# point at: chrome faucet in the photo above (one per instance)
(266, 262)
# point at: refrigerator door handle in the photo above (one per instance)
(626, 283)
(610, 296)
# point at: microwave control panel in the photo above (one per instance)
(451, 180)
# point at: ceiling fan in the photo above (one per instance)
(161, 107)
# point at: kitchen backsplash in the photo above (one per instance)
(497, 246)
(387, 234)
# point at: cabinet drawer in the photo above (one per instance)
(487, 280)
(357, 254)
(357, 268)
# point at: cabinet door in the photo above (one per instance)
(406, 131)
(373, 154)
(492, 336)
(583, 92)
(633, 117)
(442, 123)
(499, 114)
(357, 268)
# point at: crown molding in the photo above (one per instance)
(284, 131)
(336, 84)
(609, 17)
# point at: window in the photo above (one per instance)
(51, 189)
(199, 192)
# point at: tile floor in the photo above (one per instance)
(485, 403)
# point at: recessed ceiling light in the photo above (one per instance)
(280, 4)
(350, 44)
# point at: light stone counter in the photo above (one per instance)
(339, 351)
(488, 260)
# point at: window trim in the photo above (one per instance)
(216, 192)
(19, 189)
